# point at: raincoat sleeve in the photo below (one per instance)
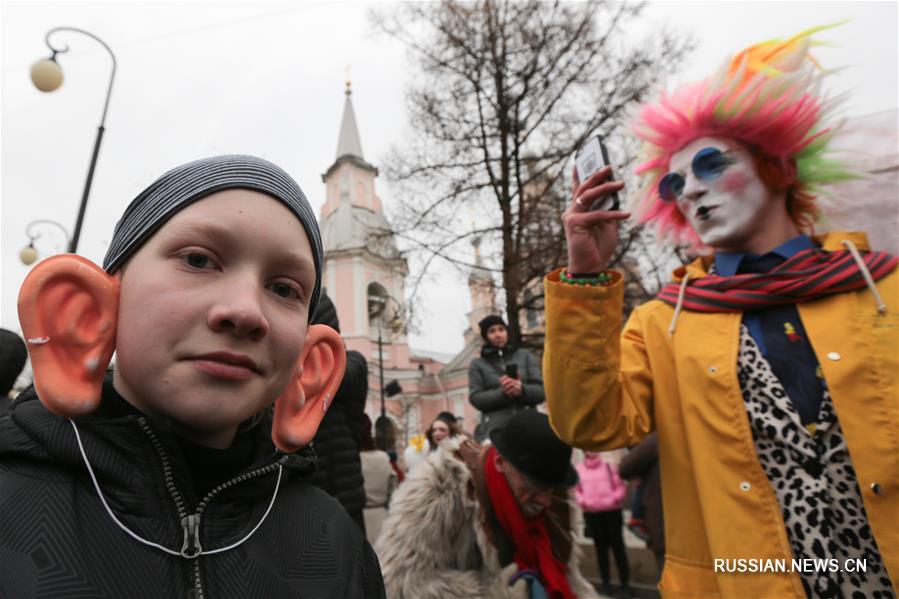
(597, 377)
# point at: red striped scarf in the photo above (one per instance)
(808, 275)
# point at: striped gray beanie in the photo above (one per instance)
(195, 180)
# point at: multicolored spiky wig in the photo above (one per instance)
(768, 97)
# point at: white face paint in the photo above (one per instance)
(730, 211)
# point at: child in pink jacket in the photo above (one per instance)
(599, 493)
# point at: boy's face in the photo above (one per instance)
(213, 313)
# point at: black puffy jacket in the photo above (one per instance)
(336, 443)
(58, 540)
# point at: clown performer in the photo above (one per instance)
(768, 365)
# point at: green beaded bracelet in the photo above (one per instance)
(603, 278)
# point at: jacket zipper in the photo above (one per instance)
(190, 523)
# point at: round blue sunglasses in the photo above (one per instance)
(708, 164)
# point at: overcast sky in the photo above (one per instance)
(205, 78)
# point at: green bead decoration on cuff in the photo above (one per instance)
(603, 278)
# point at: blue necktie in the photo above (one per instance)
(787, 346)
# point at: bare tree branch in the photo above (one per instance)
(506, 92)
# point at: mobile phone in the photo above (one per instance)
(512, 371)
(592, 156)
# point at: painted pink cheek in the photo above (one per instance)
(733, 180)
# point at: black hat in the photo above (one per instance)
(489, 321)
(528, 443)
(326, 313)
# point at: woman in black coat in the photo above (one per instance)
(504, 380)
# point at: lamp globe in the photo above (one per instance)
(28, 255)
(46, 75)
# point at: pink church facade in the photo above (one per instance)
(364, 275)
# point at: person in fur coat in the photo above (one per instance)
(493, 521)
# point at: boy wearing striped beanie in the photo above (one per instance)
(171, 475)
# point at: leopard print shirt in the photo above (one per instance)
(814, 481)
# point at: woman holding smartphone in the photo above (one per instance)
(504, 380)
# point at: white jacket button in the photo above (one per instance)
(745, 486)
(833, 356)
(712, 370)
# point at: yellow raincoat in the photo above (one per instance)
(607, 388)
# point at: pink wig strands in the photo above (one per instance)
(767, 96)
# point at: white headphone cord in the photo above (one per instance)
(157, 545)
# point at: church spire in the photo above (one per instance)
(478, 274)
(348, 143)
(357, 183)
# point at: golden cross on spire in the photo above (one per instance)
(348, 91)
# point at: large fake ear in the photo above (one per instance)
(300, 409)
(68, 309)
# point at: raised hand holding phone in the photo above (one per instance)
(511, 385)
(593, 156)
(591, 231)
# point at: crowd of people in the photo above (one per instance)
(227, 451)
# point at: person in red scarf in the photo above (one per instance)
(493, 521)
(769, 366)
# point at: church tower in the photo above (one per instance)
(364, 274)
(364, 271)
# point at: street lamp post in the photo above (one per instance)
(47, 76)
(377, 304)
(29, 254)
(381, 369)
